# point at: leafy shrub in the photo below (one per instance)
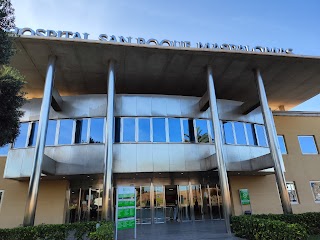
(311, 220)
(255, 228)
(105, 231)
(58, 231)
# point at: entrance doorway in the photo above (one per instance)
(85, 204)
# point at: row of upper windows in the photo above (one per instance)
(157, 130)
(307, 144)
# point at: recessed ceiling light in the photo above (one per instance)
(170, 189)
(88, 176)
(182, 173)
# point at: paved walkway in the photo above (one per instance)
(202, 230)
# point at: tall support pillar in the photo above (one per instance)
(108, 154)
(224, 183)
(273, 143)
(32, 197)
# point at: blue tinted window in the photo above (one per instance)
(240, 133)
(159, 131)
(96, 130)
(228, 133)
(21, 140)
(4, 150)
(174, 130)
(65, 133)
(282, 144)
(188, 131)
(129, 129)
(202, 131)
(51, 132)
(211, 130)
(144, 129)
(307, 145)
(33, 134)
(81, 131)
(260, 131)
(251, 134)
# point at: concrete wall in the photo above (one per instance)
(263, 193)
(51, 201)
(300, 168)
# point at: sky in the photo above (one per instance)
(286, 24)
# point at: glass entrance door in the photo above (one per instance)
(145, 204)
(184, 202)
(159, 204)
(206, 202)
(85, 205)
(215, 200)
(197, 202)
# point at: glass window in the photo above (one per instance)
(96, 130)
(1, 197)
(144, 129)
(65, 132)
(292, 192)
(260, 131)
(4, 150)
(240, 133)
(159, 130)
(174, 130)
(81, 131)
(188, 130)
(129, 129)
(228, 133)
(251, 134)
(21, 140)
(307, 145)
(282, 144)
(33, 134)
(315, 188)
(202, 131)
(51, 132)
(211, 131)
(117, 128)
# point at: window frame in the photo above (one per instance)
(315, 143)
(314, 199)
(264, 133)
(295, 189)
(284, 142)
(27, 136)
(138, 129)
(2, 197)
(88, 130)
(196, 133)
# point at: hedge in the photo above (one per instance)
(311, 220)
(60, 231)
(252, 227)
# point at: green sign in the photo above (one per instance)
(127, 224)
(244, 196)
(126, 208)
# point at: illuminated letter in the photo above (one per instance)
(67, 33)
(123, 40)
(225, 46)
(23, 30)
(152, 40)
(141, 40)
(85, 35)
(215, 45)
(51, 33)
(59, 34)
(165, 41)
(289, 51)
(113, 38)
(200, 45)
(258, 48)
(233, 47)
(77, 35)
(41, 32)
(103, 37)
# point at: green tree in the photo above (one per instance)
(11, 82)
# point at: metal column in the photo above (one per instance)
(273, 143)
(32, 197)
(223, 177)
(108, 154)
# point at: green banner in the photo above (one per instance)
(126, 195)
(126, 224)
(126, 212)
(244, 196)
(126, 203)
